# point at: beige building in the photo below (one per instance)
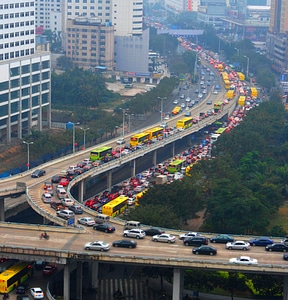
(89, 43)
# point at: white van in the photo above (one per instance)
(61, 193)
(101, 218)
(132, 225)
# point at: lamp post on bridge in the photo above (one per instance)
(161, 107)
(84, 137)
(28, 153)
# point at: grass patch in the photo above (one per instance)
(280, 218)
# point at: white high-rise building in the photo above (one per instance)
(25, 74)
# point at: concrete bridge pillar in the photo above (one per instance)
(81, 191)
(94, 274)
(2, 210)
(66, 292)
(173, 149)
(285, 291)
(109, 180)
(154, 159)
(133, 168)
(79, 280)
(177, 284)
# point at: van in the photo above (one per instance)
(61, 193)
(132, 225)
(100, 218)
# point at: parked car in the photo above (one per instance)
(188, 234)
(153, 231)
(65, 214)
(49, 270)
(134, 233)
(125, 244)
(243, 260)
(164, 237)
(105, 227)
(77, 209)
(37, 293)
(279, 247)
(221, 238)
(87, 221)
(195, 241)
(262, 241)
(38, 173)
(238, 245)
(204, 249)
(97, 245)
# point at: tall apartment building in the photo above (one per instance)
(90, 44)
(25, 73)
(277, 37)
(48, 14)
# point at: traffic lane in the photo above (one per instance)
(145, 247)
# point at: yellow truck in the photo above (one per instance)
(230, 94)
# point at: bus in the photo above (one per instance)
(155, 133)
(139, 139)
(184, 123)
(241, 100)
(176, 110)
(175, 166)
(100, 153)
(218, 106)
(115, 207)
(14, 276)
(220, 130)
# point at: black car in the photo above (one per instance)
(105, 227)
(222, 238)
(285, 256)
(204, 249)
(124, 244)
(56, 179)
(153, 231)
(195, 241)
(77, 209)
(23, 297)
(38, 173)
(279, 247)
(21, 289)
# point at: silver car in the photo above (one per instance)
(238, 245)
(134, 233)
(164, 237)
(97, 245)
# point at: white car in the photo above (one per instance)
(188, 234)
(175, 101)
(131, 201)
(120, 142)
(182, 96)
(243, 260)
(87, 221)
(188, 99)
(164, 237)
(134, 233)
(238, 245)
(97, 245)
(215, 92)
(37, 293)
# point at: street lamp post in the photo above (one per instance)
(161, 107)
(28, 153)
(84, 137)
(73, 138)
(247, 70)
(129, 122)
(195, 67)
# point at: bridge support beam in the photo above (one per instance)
(94, 274)
(66, 291)
(177, 284)
(133, 168)
(2, 209)
(173, 149)
(79, 280)
(154, 159)
(81, 191)
(285, 291)
(109, 180)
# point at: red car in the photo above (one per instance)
(64, 181)
(49, 270)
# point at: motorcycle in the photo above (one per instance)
(44, 236)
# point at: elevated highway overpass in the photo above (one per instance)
(66, 243)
